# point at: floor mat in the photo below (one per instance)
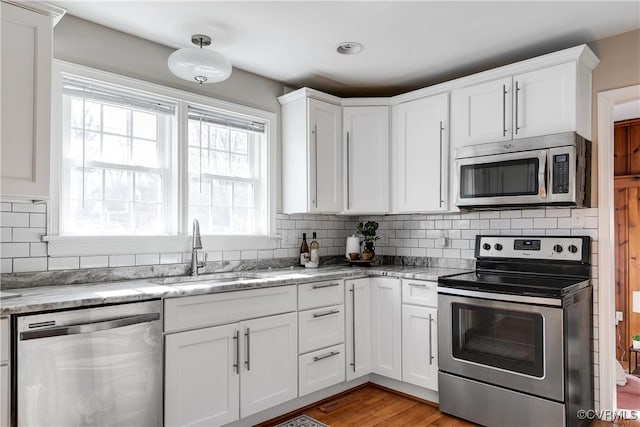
(302, 421)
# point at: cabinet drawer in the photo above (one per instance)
(320, 294)
(320, 328)
(215, 309)
(5, 340)
(321, 369)
(420, 292)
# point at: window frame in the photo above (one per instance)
(178, 237)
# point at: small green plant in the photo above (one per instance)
(635, 337)
(368, 231)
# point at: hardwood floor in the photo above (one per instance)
(374, 406)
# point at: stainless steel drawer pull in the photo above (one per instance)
(430, 341)
(86, 328)
(236, 365)
(247, 361)
(327, 313)
(418, 285)
(333, 353)
(325, 285)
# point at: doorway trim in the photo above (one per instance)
(606, 262)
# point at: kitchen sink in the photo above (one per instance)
(208, 278)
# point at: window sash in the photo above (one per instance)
(234, 121)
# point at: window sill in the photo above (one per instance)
(126, 245)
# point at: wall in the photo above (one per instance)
(619, 67)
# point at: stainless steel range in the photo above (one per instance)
(515, 336)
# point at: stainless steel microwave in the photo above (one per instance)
(550, 170)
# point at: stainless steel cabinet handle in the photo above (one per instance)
(348, 173)
(315, 133)
(353, 326)
(418, 285)
(430, 341)
(333, 353)
(516, 127)
(327, 313)
(441, 131)
(325, 285)
(236, 365)
(89, 327)
(247, 361)
(504, 110)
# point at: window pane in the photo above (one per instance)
(147, 217)
(222, 193)
(148, 187)
(145, 153)
(145, 125)
(240, 165)
(92, 184)
(91, 145)
(201, 213)
(194, 161)
(118, 185)
(221, 219)
(219, 138)
(116, 119)
(219, 163)
(239, 142)
(87, 219)
(242, 220)
(115, 149)
(243, 195)
(117, 216)
(91, 111)
(200, 192)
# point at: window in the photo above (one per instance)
(116, 150)
(138, 162)
(225, 172)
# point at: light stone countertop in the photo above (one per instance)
(58, 297)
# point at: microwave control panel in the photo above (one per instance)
(561, 174)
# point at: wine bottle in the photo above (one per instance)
(315, 249)
(304, 250)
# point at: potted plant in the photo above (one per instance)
(368, 232)
(636, 341)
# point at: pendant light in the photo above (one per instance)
(198, 64)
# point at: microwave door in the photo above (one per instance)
(502, 179)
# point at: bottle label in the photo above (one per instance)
(315, 256)
(304, 258)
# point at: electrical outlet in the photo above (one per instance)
(618, 317)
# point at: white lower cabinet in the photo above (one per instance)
(320, 328)
(320, 369)
(5, 413)
(358, 327)
(420, 346)
(216, 375)
(202, 382)
(386, 328)
(269, 375)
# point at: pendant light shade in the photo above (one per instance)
(198, 64)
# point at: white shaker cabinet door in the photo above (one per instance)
(325, 159)
(269, 358)
(201, 381)
(366, 132)
(26, 103)
(481, 113)
(358, 327)
(420, 154)
(386, 328)
(420, 346)
(545, 101)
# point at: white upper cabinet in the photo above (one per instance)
(481, 113)
(311, 155)
(366, 131)
(420, 154)
(545, 101)
(26, 101)
(541, 96)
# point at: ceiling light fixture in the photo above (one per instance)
(198, 64)
(349, 48)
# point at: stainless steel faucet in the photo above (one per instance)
(196, 244)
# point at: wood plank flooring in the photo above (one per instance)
(374, 406)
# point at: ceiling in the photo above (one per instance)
(407, 45)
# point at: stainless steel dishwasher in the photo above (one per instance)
(99, 366)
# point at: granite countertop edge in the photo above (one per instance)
(60, 297)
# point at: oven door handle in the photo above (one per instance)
(500, 297)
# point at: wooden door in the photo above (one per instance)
(627, 229)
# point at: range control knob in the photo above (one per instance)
(497, 247)
(557, 248)
(573, 249)
(486, 246)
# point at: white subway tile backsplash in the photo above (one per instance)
(522, 223)
(5, 207)
(511, 214)
(21, 234)
(231, 255)
(558, 213)
(5, 234)
(420, 252)
(14, 219)
(38, 220)
(498, 224)
(122, 260)
(6, 264)
(175, 258)
(24, 265)
(37, 249)
(545, 223)
(147, 259)
(29, 207)
(64, 263)
(489, 214)
(14, 250)
(94, 261)
(533, 213)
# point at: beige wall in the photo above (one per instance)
(619, 67)
(86, 43)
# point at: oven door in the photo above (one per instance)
(502, 179)
(508, 344)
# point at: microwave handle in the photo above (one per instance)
(544, 173)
